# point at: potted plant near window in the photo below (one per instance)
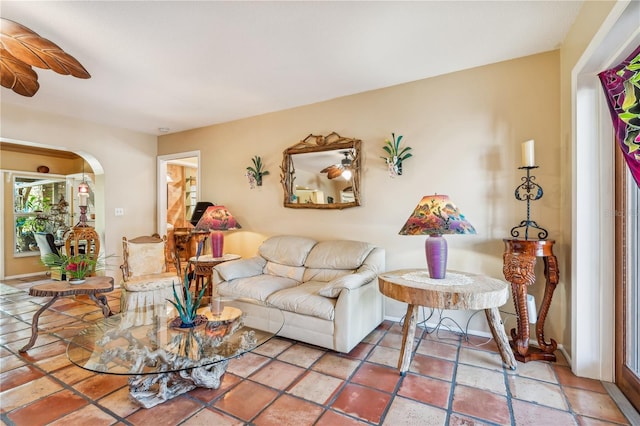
(76, 268)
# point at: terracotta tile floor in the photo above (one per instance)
(451, 381)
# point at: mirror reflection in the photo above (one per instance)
(322, 172)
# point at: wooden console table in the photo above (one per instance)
(57, 289)
(519, 269)
(459, 290)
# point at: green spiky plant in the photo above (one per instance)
(256, 171)
(188, 308)
(396, 155)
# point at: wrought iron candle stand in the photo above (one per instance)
(528, 191)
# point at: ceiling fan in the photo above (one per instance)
(343, 169)
(21, 48)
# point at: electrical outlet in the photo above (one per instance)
(119, 211)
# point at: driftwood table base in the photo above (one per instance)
(153, 389)
(458, 290)
(57, 289)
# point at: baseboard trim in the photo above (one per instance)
(623, 403)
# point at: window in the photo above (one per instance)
(39, 205)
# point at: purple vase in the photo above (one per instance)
(435, 248)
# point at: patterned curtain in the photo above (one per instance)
(621, 84)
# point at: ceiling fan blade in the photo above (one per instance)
(28, 47)
(17, 76)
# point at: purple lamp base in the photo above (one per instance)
(217, 243)
(435, 248)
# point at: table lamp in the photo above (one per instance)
(217, 219)
(436, 215)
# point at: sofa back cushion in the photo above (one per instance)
(286, 250)
(286, 271)
(339, 254)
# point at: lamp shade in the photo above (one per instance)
(436, 215)
(216, 219)
(83, 188)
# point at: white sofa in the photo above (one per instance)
(328, 290)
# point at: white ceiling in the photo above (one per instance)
(188, 64)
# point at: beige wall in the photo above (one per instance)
(590, 19)
(465, 129)
(124, 163)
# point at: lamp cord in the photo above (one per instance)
(464, 333)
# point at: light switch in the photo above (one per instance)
(119, 211)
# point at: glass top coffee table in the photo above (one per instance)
(164, 361)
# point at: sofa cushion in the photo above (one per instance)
(342, 254)
(349, 281)
(240, 268)
(258, 287)
(293, 272)
(325, 275)
(286, 249)
(304, 299)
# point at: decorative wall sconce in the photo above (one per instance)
(395, 155)
(256, 172)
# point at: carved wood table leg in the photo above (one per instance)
(552, 276)
(34, 324)
(102, 303)
(500, 336)
(408, 336)
(519, 266)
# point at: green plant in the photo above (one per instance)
(396, 155)
(79, 266)
(187, 308)
(256, 172)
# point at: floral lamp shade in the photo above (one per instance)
(216, 219)
(436, 215)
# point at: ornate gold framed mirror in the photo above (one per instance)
(322, 172)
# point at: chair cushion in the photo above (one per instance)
(341, 254)
(286, 249)
(152, 282)
(146, 258)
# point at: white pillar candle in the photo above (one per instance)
(82, 199)
(528, 157)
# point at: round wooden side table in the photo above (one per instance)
(458, 290)
(203, 269)
(56, 289)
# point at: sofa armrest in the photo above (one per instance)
(240, 268)
(349, 281)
